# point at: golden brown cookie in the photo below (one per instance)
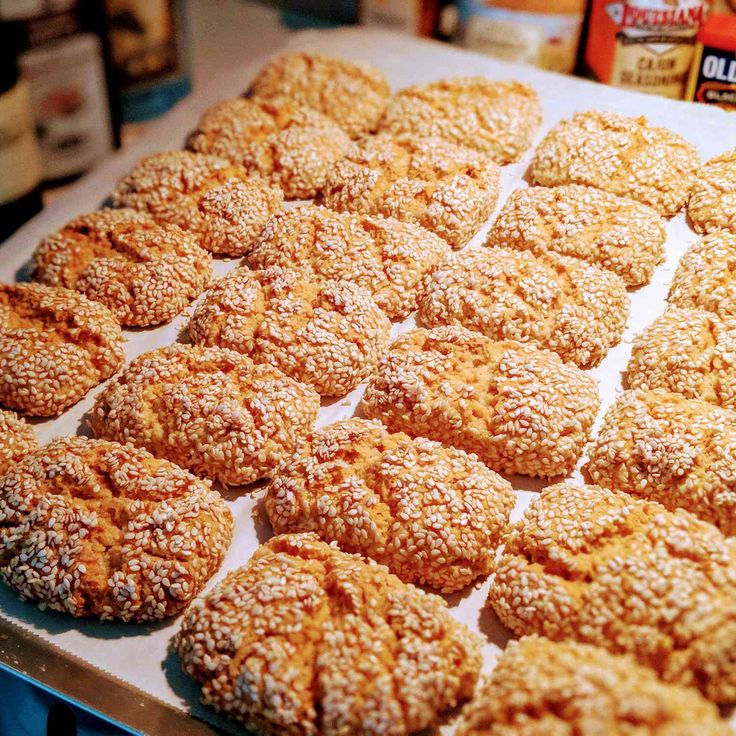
(520, 409)
(562, 304)
(103, 530)
(432, 514)
(142, 272)
(496, 118)
(615, 233)
(604, 568)
(305, 639)
(210, 410)
(55, 345)
(712, 204)
(17, 439)
(328, 334)
(619, 154)
(448, 189)
(207, 196)
(381, 254)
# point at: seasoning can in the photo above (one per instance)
(713, 74)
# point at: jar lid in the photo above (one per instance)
(719, 32)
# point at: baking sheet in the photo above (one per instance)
(139, 654)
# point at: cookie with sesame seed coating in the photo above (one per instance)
(447, 189)
(432, 514)
(562, 304)
(17, 439)
(602, 567)
(381, 254)
(328, 334)
(498, 119)
(98, 529)
(619, 154)
(353, 95)
(144, 273)
(210, 410)
(612, 232)
(545, 688)
(712, 203)
(519, 409)
(214, 200)
(55, 345)
(306, 639)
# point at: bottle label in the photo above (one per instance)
(714, 78)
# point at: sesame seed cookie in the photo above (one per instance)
(497, 118)
(563, 304)
(619, 154)
(448, 189)
(520, 409)
(207, 196)
(292, 147)
(211, 410)
(687, 351)
(545, 688)
(55, 345)
(666, 448)
(704, 276)
(144, 273)
(17, 439)
(328, 334)
(381, 254)
(353, 95)
(98, 529)
(712, 204)
(305, 639)
(602, 567)
(432, 514)
(615, 233)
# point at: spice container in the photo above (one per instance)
(713, 74)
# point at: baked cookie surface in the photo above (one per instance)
(17, 439)
(712, 203)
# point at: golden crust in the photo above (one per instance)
(605, 568)
(615, 233)
(17, 439)
(550, 301)
(545, 688)
(353, 95)
(328, 334)
(385, 256)
(712, 204)
(496, 118)
(55, 345)
(144, 273)
(210, 410)
(207, 196)
(448, 189)
(432, 514)
(619, 154)
(521, 410)
(305, 639)
(95, 528)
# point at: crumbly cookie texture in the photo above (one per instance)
(448, 189)
(353, 95)
(17, 439)
(712, 204)
(545, 688)
(604, 568)
(329, 334)
(305, 639)
(291, 147)
(432, 514)
(211, 410)
(612, 232)
(216, 201)
(677, 451)
(619, 154)
(385, 256)
(563, 304)
(496, 118)
(687, 351)
(144, 273)
(520, 409)
(98, 529)
(55, 345)
(704, 276)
